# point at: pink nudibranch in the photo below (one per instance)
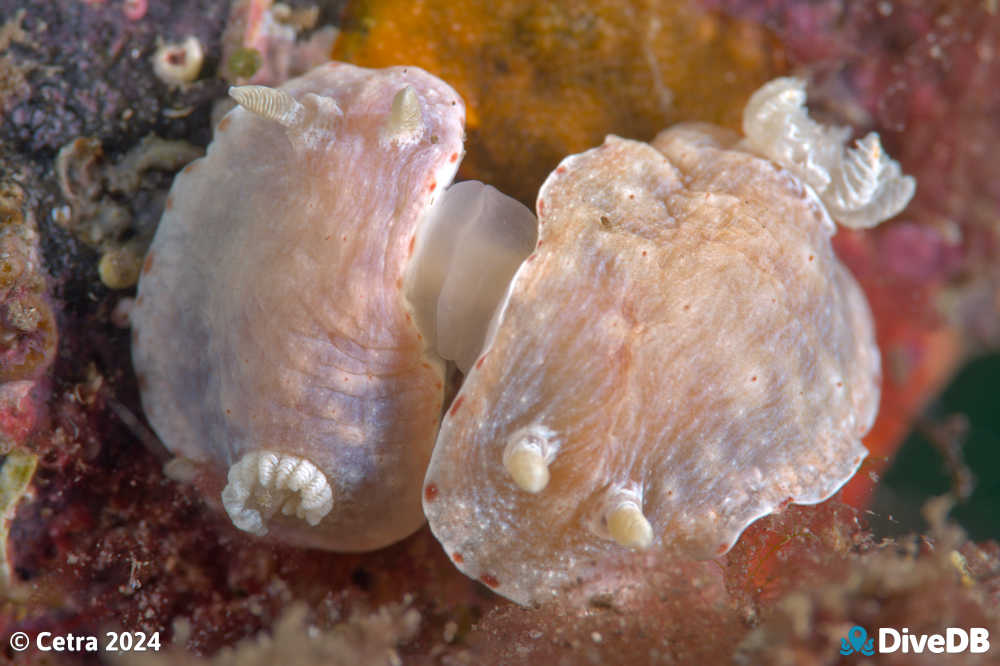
(679, 354)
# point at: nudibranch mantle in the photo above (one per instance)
(275, 348)
(686, 338)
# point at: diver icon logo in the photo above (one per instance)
(857, 641)
(975, 640)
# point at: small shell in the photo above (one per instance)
(682, 354)
(179, 63)
(273, 341)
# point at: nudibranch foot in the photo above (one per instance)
(263, 482)
(466, 251)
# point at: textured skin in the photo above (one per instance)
(686, 330)
(270, 313)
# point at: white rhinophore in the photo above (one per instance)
(528, 454)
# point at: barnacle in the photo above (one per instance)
(860, 186)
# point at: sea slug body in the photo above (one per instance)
(276, 351)
(681, 355)
(668, 353)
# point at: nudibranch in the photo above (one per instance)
(293, 303)
(681, 355)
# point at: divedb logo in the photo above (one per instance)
(975, 640)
